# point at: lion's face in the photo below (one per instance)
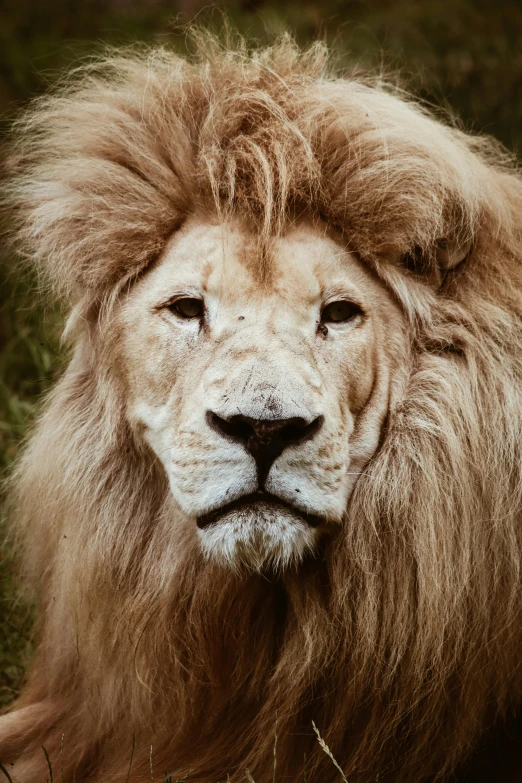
(260, 378)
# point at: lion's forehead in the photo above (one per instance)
(262, 330)
(226, 262)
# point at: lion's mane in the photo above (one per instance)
(402, 640)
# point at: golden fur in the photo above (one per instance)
(402, 640)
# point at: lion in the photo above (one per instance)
(278, 489)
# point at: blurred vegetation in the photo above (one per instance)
(462, 55)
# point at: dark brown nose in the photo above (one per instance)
(265, 439)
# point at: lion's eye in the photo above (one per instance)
(187, 307)
(337, 312)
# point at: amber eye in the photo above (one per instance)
(337, 312)
(187, 307)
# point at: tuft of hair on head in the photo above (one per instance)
(108, 164)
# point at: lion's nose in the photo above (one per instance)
(265, 439)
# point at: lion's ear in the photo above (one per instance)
(432, 264)
(450, 254)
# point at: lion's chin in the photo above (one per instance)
(258, 536)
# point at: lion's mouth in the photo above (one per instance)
(255, 499)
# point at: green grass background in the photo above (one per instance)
(462, 55)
